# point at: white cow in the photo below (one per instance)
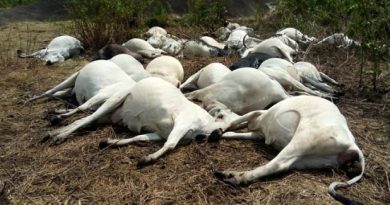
(288, 41)
(236, 39)
(231, 26)
(197, 48)
(310, 133)
(206, 76)
(152, 106)
(212, 42)
(285, 73)
(222, 33)
(273, 47)
(155, 30)
(309, 75)
(249, 42)
(167, 68)
(112, 50)
(143, 48)
(339, 39)
(130, 66)
(92, 86)
(58, 50)
(169, 44)
(296, 35)
(243, 90)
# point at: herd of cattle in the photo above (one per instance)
(215, 102)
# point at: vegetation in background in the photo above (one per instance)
(11, 3)
(160, 14)
(99, 22)
(205, 14)
(365, 20)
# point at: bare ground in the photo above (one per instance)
(78, 172)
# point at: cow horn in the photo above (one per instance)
(243, 41)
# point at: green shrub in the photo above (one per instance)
(365, 20)
(99, 22)
(206, 14)
(11, 3)
(159, 14)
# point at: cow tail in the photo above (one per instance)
(336, 185)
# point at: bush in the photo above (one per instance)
(11, 3)
(365, 20)
(206, 14)
(159, 15)
(99, 22)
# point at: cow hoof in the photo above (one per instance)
(103, 144)
(45, 137)
(227, 177)
(200, 138)
(55, 119)
(215, 136)
(144, 161)
(220, 175)
(57, 140)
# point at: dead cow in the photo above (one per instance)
(296, 35)
(273, 47)
(131, 66)
(152, 106)
(284, 72)
(58, 50)
(92, 86)
(206, 76)
(112, 50)
(242, 91)
(310, 132)
(167, 68)
(143, 48)
(253, 60)
(310, 76)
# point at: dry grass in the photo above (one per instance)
(78, 172)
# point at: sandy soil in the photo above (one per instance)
(78, 172)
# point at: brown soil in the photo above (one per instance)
(78, 172)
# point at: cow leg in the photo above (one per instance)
(123, 142)
(39, 53)
(68, 83)
(99, 98)
(244, 135)
(178, 132)
(194, 95)
(63, 93)
(285, 54)
(237, 123)
(190, 83)
(59, 135)
(62, 111)
(296, 84)
(318, 85)
(328, 79)
(281, 162)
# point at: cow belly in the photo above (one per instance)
(281, 129)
